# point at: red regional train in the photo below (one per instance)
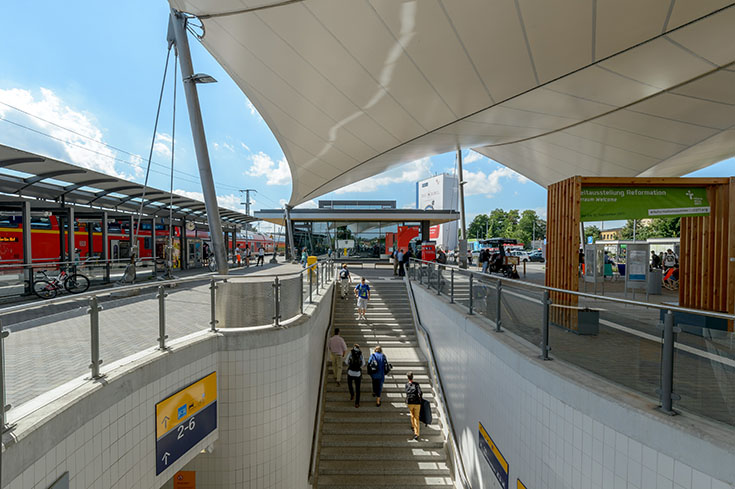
(46, 240)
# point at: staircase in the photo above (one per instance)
(373, 446)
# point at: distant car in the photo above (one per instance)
(536, 256)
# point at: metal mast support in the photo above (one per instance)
(177, 35)
(462, 221)
(289, 235)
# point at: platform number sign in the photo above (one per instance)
(183, 419)
(494, 458)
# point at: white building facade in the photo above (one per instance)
(440, 192)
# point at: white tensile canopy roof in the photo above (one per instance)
(351, 88)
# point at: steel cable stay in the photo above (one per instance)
(129, 275)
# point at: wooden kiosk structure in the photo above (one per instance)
(707, 246)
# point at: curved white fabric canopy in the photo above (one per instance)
(351, 88)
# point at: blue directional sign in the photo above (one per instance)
(184, 419)
(493, 456)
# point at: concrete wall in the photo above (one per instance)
(245, 302)
(103, 433)
(557, 433)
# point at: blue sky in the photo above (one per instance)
(93, 68)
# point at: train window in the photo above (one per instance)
(147, 243)
(10, 221)
(40, 223)
(160, 227)
(145, 226)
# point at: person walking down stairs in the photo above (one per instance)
(337, 350)
(355, 361)
(377, 368)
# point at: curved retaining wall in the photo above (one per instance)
(246, 302)
(103, 433)
(557, 433)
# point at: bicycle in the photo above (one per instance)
(74, 283)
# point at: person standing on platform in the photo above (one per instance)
(414, 397)
(670, 260)
(337, 350)
(377, 366)
(399, 259)
(238, 256)
(261, 256)
(355, 362)
(362, 292)
(394, 261)
(655, 260)
(304, 258)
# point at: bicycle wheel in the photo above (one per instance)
(76, 284)
(44, 289)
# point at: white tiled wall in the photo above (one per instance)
(548, 443)
(116, 449)
(268, 398)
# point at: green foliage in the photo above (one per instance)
(593, 231)
(659, 227)
(510, 224)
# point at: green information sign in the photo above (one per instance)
(614, 203)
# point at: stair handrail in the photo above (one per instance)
(313, 462)
(443, 405)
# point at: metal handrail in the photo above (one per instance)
(444, 404)
(714, 314)
(320, 398)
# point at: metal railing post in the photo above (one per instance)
(4, 407)
(438, 280)
(469, 304)
(429, 268)
(94, 324)
(316, 271)
(545, 327)
(162, 336)
(451, 289)
(212, 305)
(421, 273)
(301, 294)
(276, 303)
(311, 285)
(667, 365)
(498, 315)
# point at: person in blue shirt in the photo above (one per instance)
(378, 364)
(362, 292)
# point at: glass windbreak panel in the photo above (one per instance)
(322, 234)
(367, 239)
(44, 350)
(619, 342)
(521, 311)
(704, 369)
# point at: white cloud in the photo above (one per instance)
(220, 146)
(229, 201)
(247, 148)
(309, 204)
(162, 146)
(276, 173)
(479, 183)
(412, 205)
(408, 173)
(77, 147)
(472, 157)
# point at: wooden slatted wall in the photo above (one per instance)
(562, 251)
(707, 274)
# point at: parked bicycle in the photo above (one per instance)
(48, 287)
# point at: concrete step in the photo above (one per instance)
(427, 440)
(387, 408)
(369, 467)
(402, 453)
(388, 386)
(393, 482)
(375, 431)
(392, 416)
(343, 395)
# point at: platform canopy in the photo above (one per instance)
(29, 175)
(551, 89)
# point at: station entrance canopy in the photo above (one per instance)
(57, 184)
(550, 89)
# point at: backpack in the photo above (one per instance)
(413, 393)
(372, 365)
(355, 362)
(344, 273)
(388, 368)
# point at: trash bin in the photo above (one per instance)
(655, 278)
(311, 264)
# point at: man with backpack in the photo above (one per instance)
(355, 362)
(414, 397)
(378, 366)
(362, 292)
(344, 280)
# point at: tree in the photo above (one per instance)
(593, 231)
(496, 225)
(478, 227)
(529, 226)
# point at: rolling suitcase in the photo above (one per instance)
(425, 413)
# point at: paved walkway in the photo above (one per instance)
(49, 345)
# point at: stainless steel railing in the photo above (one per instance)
(478, 291)
(316, 276)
